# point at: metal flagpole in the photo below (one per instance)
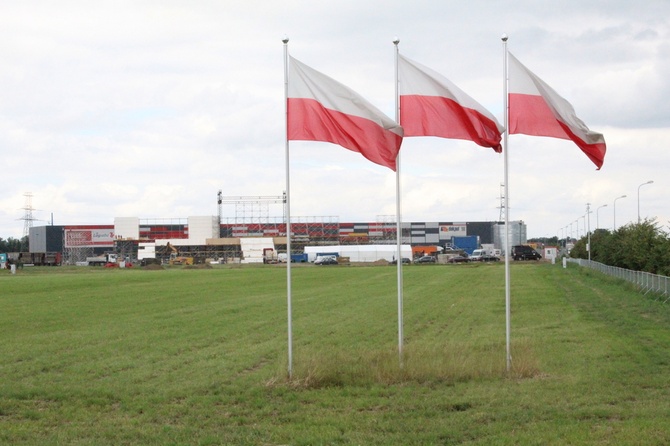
(288, 217)
(396, 41)
(508, 313)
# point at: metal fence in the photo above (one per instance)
(645, 282)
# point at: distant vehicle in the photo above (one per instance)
(426, 259)
(485, 255)
(488, 258)
(477, 254)
(458, 259)
(326, 260)
(270, 256)
(149, 261)
(524, 252)
(405, 261)
(102, 260)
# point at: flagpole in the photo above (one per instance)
(396, 41)
(288, 216)
(508, 325)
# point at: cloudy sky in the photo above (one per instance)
(147, 108)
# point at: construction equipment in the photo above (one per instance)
(176, 259)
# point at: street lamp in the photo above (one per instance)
(597, 225)
(588, 230)
(623, 196)
(570, 233)
(638, 199)
(576, 228)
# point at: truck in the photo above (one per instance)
(102, 260)
(484, 255)
(270, 256)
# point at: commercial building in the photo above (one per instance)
(203, 237)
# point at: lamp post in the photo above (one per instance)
(566, 243)
(638, 199)
(588, 230)
(623, 196)
(597, 224)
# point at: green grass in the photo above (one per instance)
(194, 356)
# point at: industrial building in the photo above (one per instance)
(205, 237)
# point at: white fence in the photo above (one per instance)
(645, 282)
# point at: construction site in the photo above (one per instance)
(253, 229)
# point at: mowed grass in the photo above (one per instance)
(189, 356)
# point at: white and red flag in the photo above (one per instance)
(431, 105)
(322, 109)
(536, 109)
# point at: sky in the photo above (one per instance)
(148, 108)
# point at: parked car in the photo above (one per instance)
(405, 261)
(488, 258)
(327, 261)
(426, 259)
(458, 259)
(524, 252)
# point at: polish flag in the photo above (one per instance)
(536, 109)
(430, 105)
(322, 109)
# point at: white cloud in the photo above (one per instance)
(149, 108)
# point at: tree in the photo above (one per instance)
(546, 241)
(640, 246)
(13, 244)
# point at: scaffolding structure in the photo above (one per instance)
(388, 227)
(126, 249)
(75, 255)
(252, 209)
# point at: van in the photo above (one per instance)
(523, 252)
(477, 255)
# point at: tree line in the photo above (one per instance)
(14, 244)
(643, 246)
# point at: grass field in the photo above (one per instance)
(198, 356)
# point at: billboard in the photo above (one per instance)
(453, 230)
(89, 238)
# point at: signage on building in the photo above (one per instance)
(453, 230)
(89, 238)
